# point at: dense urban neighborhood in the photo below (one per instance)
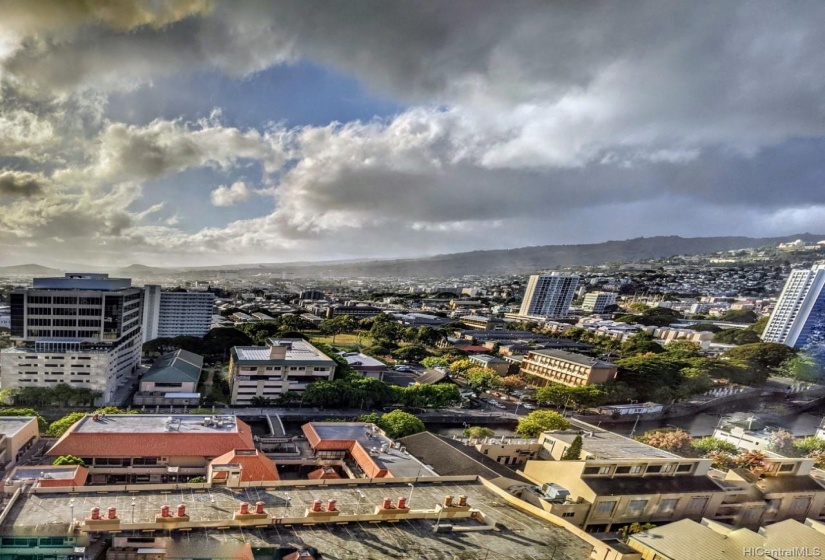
(569, 396)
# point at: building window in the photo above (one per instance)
(684, 468)
(696, 505)
(786, 467)
(635, 508)
(596, 470)
(667, 506)
(605, 509)
(654, 468)
(800, 505)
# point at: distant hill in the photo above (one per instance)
(527, 260)
(28, 269)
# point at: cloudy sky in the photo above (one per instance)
(207, 132)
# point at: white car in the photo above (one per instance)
(529, 406)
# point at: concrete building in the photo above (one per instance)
(171, 313)
(483, 323)
(549, 295)
(688, 540)
(567, 368)
(355, 311)
(17, 434)
(798, 320)
(618, 481)
(367, 366)
(493, 363)
(269, 371)
(595, 302)
(151, 448)
(171, 381)
(82, 330)
(365, 450)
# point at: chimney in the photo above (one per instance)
(277, 352)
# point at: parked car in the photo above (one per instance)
(529, 406)
(404, 369)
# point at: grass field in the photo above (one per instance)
(343, 341)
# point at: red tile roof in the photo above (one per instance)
(254, 465)
(152, 444)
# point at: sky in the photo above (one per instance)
(202, 132)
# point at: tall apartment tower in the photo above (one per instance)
(82, 330)
(167, 314)
(549, 295)
(798, 320)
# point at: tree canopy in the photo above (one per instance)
(538, 421)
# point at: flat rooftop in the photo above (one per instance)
(10, 425)
(298, 350)
(573, 357)
(521, 536)
(156, 423)
(398, 463)
(609, 446)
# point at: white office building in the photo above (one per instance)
(82, 330)
(595, 302)
(167, 314)
(798, 320)
(283, 365)
(549, 295)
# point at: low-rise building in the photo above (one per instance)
(487, 361)
(483, 323)
(17, 435)
(688, 540)
(365, 450)
(171, 381)
(567, 368)
(151, 448)
(367, 366)
(595, 302)
(283, 365)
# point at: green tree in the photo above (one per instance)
(803, 367)
(768, 355)
(435, 361)
(710, 445)
(478, 432)
(413, 353)
(69, 460)
(641, 343)
(739, 316)
(512, 383)
(538, 421)
(460, 367)
(481, 380)
(809, 445)
(59, 427)
(385, 329)
(573, 453)
(682, 349)
(397, 424)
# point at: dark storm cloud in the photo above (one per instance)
(14, 184)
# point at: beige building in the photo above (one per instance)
(487, 361)
(507, 450)
(17, 434)
(619, 481)
(567, 368)
(269, 371)
(688, 540)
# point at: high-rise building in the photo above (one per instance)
(595, 302)
(82, 330)
(549, 295)
(798, 320)
(167, 314)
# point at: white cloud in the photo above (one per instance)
(231, 195)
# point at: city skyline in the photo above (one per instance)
(201, 133)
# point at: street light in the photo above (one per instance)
(133, 509)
